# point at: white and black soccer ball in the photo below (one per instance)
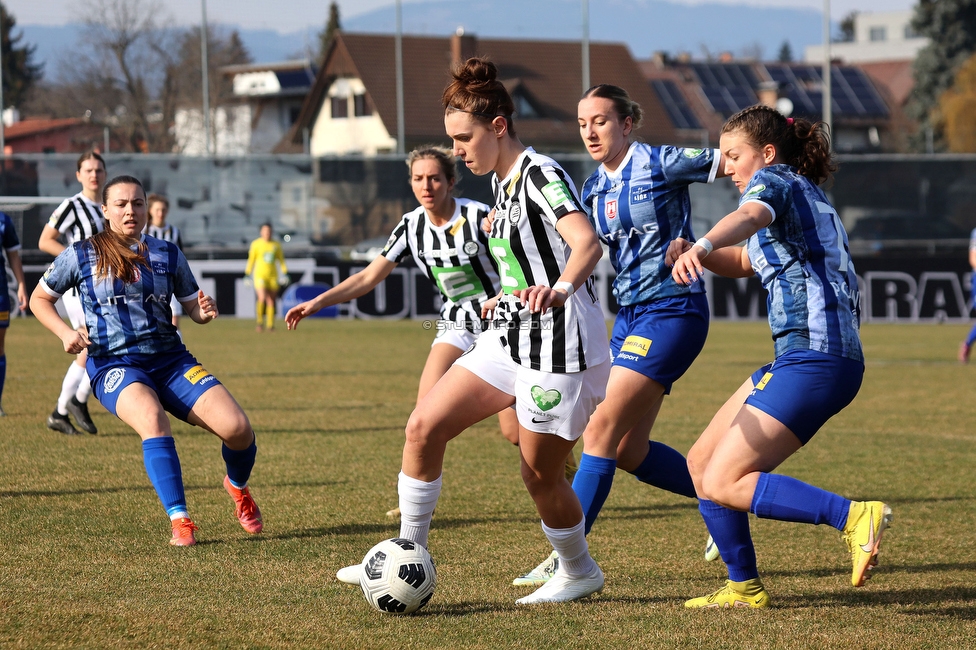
(398, 576)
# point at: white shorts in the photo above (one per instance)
(453, 334)
(72, 306)
(546, 402)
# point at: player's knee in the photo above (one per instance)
(418, 430)
(237, 428)
(697, 462)
(716, 487)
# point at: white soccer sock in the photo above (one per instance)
(570, 543)
(84, 389)
(72, 379)
(417, 502)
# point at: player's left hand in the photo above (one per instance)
(539, 298)
(487, 221)
(208, 306)
(688, 268)
(22, 298)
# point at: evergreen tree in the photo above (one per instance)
(326, 35)
(785, 53)
(950, 26)
(19, 71)
(847, 28)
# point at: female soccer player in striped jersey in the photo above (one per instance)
(546, 350)
(638, 201)
(158, 228)
(75, 220)
(797, 245)
(444, 238)
(138, 364)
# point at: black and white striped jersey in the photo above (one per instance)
(169, 233)
(528, 251)
(77, 218)
(453, 256)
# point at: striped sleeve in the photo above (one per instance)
(549, 188)
(397, 247)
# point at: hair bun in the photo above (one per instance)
(476, 71)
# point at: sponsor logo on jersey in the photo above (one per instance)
(628, 357)
(756, 190)
(514, 212)
(457, 226)
(389, 242)
(765, 380)
(545, 399)
(556, 194)
(158, 267)
(471, 248)
(636, 345)
(196, 374)
(646, 229)
(114, 379)
(612, 209)
(693, 153)
(640, 193)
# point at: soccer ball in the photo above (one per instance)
(398, 576)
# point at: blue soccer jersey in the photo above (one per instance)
(804, 262)
(639, 208)
(126, 318)
(9, 242)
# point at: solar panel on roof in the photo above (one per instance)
(674, 103)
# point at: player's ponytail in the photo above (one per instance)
(113, 257)
(476, 90)
(802, 144)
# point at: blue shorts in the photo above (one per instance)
(176, 377)
(662, 338)
(803, 389)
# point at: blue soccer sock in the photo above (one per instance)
(3, 372)
(665, 468)
(592, 484)
(239, 464)
(163, 468)
(730, 530)
(787, 499)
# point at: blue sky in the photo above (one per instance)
(262, 14)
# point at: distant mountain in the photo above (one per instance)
(645, 25)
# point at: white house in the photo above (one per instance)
(878, 36)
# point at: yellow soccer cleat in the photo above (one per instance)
(750, 593)
(866, 523)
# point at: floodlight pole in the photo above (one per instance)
(826, 95)
(398, 53)
(586, 45)
(206, 83)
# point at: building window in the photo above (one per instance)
(910, 32)
(340, 107)
(523, 107)
(877, 34)
(293, 113)
(361, 106)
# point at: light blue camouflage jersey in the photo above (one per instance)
(126, 318)
(804, 261)
(639, 208)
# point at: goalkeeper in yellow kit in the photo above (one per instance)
(263, 260)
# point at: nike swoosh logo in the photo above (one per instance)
(869, 547)
(543, 421)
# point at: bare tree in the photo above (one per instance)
(125, 67)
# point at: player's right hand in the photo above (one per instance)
(75, 341)
(487, 221)
(677, 246)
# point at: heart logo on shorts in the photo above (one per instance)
(546, 399)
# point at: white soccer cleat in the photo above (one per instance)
(561, 588)
(539, 575)
(711, 550)
(350, 574)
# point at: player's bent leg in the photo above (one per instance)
(865, 525)
(700, 454)
(217, 411)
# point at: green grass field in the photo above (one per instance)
(84, 559)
